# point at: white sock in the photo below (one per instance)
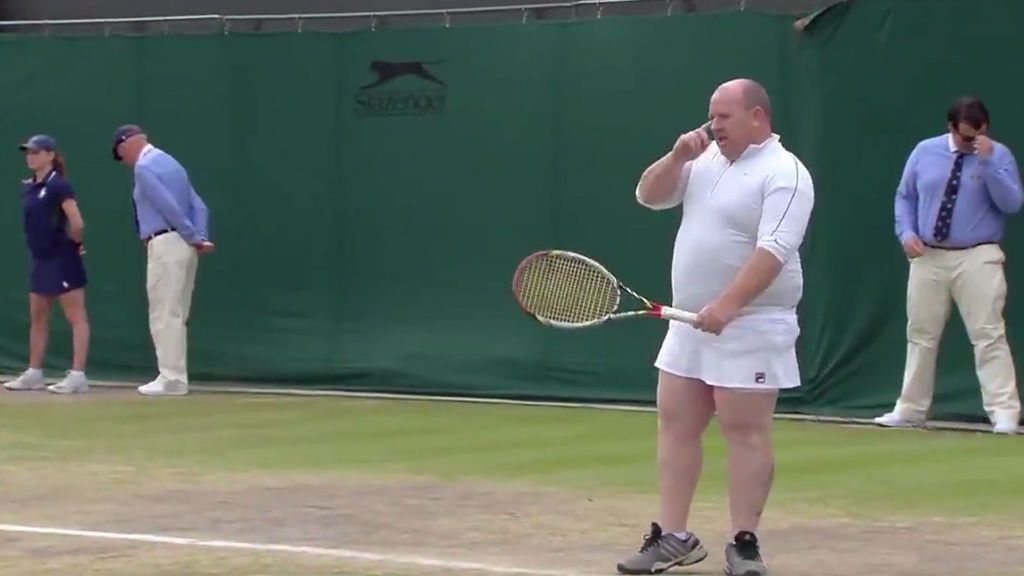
(34, 372)
(76, 373)
(684, 536)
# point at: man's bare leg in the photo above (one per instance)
(746, 420)
(685, 407)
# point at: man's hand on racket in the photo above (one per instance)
(716, 316)
(690, 145)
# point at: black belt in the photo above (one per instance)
(159, 233)
(960, 247)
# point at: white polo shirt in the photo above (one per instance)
(763, 199)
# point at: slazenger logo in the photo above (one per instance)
(429, 98)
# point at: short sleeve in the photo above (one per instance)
(786, 210)
(61, 191)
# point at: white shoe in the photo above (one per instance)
(73, 383)
(1005, 423)
(31, 379)
(894, 420)
(163, 387)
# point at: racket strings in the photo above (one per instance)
(561, 288)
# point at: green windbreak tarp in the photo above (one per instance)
(372, 192)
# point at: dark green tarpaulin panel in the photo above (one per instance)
(367, 234)
(882, 80)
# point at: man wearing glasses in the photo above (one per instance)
(955, 193)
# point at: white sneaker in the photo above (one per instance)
(894, 420)
(163, 387)
(31, 379)
(74, 383)
(1005, 423)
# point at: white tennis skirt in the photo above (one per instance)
(755, 351)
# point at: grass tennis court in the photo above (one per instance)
(555, 490)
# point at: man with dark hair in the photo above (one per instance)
(970, 111)
(951, 203)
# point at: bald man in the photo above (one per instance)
(746, 202)
(172, 220)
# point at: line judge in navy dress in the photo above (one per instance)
(172, 220)
(53, 232)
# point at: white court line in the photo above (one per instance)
(307, 550)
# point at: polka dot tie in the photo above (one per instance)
(942, 223)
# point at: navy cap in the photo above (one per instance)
(123, 133)
(39, 142)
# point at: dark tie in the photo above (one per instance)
(135, 211)
(942, 223)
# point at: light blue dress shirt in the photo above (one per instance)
(164, 198)
(990, 188)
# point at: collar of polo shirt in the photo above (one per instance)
(755, 148)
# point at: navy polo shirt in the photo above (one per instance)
(46, 224)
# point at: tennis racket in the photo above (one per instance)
(564, 289)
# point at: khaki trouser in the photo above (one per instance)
(974, 279)
(170, 277)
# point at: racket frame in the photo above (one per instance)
(652, 309)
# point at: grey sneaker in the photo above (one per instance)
(743, 556)
(660, 552)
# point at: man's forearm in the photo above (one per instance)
(200, 215)
(660, 180)
(753, 278)
(1003, 186)
(906, 220)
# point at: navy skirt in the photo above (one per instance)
(58, 273)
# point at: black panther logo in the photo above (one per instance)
(388, 71)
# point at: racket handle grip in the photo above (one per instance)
(670, 313)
